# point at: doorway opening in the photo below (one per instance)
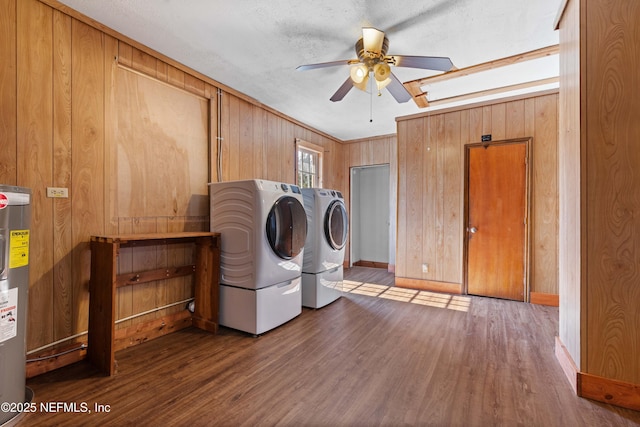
(370, 217)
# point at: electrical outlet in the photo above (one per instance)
(425, 268)
(58, 192)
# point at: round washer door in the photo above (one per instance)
(287, 227)
(336, 225)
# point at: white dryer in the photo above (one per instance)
(263, 228)
(322, 268)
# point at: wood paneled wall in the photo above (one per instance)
(257, 143)
(84, 109)
(600, 131)
(431, 186)
(367, 152)
(570, 266)
(612, 196)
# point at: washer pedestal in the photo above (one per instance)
(258, 311)
(320, 289)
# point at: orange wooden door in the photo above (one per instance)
(496, 220)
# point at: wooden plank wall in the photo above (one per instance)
(368, 152)
(258, 143)
(431, 186)
(612, 196)
(610, 226)
(570, 265)
(8, 93)
(599, 160)
(67, 86)
(158, 133)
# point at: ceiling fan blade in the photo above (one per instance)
(438, 63)
(372, 39)
(342, 90)
(325, 64)
(397, 89)
(421, 18)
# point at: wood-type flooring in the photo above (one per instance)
(378, 356)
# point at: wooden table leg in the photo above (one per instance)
(206, 292)
(102, 306)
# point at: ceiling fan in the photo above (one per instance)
(371, 50)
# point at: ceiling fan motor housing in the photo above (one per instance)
(372, 57)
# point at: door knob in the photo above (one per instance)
(472, 230)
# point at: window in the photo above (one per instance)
(308, 164)
(307, 168)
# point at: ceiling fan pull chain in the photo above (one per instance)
(371, 101)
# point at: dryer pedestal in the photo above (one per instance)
(322, 288)
(258, 311)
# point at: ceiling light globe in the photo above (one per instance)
(358, 73)
(381, 71)
(382, 84)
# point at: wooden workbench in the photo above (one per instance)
(105, 280)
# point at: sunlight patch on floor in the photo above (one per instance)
(399, 294)
(369, 289)
(349, 285)
(431, 299)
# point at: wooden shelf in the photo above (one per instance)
(104, 281)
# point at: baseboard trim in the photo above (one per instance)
(391, 268)
(45, 361)
(429, 285)
(371, 264)
(588, 386)
(613, 392)
(540, 298)
(568, 366)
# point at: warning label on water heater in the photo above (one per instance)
(19, 248)
(8, 314)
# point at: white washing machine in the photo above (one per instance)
(263, 228)
(322, 268)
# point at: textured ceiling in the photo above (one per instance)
(254, 46)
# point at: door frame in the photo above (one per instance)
(390, 224)
(528, 220)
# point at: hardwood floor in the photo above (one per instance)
(363, 360)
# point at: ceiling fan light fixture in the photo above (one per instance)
(381, 71)
(359, 73)
(382, 84)
(363, 84)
